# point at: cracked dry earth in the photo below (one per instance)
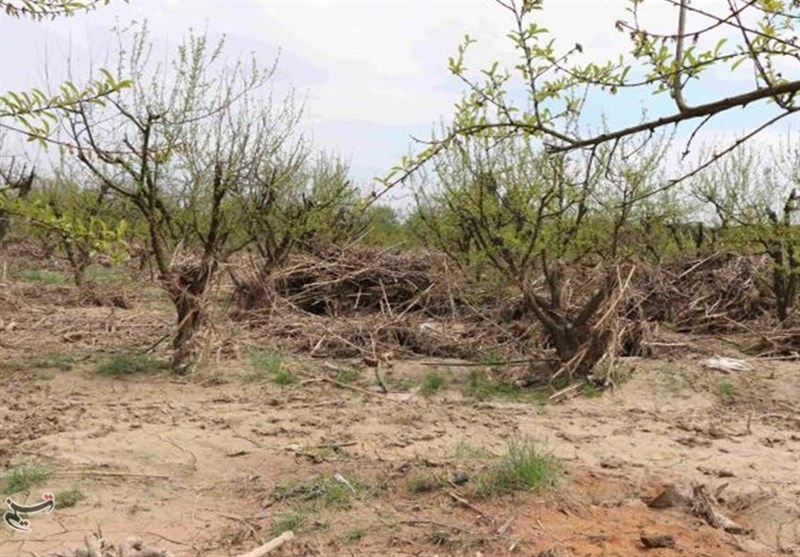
(194, 467)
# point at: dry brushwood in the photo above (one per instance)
(713, 294)
(360, 302)
(345, 283)
(363, 302)
(779, 344)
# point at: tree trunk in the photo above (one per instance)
(79, 275)
(785, 286)
(571, 331)
(79, 260)
(187, 289)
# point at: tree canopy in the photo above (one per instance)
(47, 9)
(34, 113)
(759, 37)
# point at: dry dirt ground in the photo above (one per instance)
(224, 461)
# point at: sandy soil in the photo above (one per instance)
(218, 464)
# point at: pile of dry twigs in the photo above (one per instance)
(357, 301)
(352, 302)
(716, 293)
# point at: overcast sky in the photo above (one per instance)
(374, 71)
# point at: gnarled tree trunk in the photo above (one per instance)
(578, 343)
(187, 289)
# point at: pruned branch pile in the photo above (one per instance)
(717, 293)
(347, 283)
(355, 302)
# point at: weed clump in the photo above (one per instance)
(432, 383)
(524, 467)
(127, 364)
(268, 365)
(23, 478)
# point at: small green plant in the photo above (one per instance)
(590, 391)
(726, 388)
(329, 492)
(480, 387)
(523, 467)
(126, 364)
(268, 361)
(348, 375)
(284, 377)
(47, 277)
(290, 520)
(432, 383)
(355, 534)
(337, 495)
(69, 497)
(268, 364)
(24, 477)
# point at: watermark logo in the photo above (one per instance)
(14, 518)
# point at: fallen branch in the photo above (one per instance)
(467, 504)
(270, 546)
(424, 522)
(565, 392)
(90, 473)
(702, 507)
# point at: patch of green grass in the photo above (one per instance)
(290, 520)
(337, 495)
(46, 277)
(269, 361)
(325, 491)
(726, 388)
(480, 387)
(348, 375)
(422, 483)
(590, 391)
(355, 534)
(99, 273)
(53, 361)
(561, 382)
(69, 497)
(40, 364)
(23, 478)
(465, 451)
(127, 364)
(284, 377)
(268, 364)
(523, 467)
(432, 383)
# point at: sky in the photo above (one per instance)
(373, 72)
